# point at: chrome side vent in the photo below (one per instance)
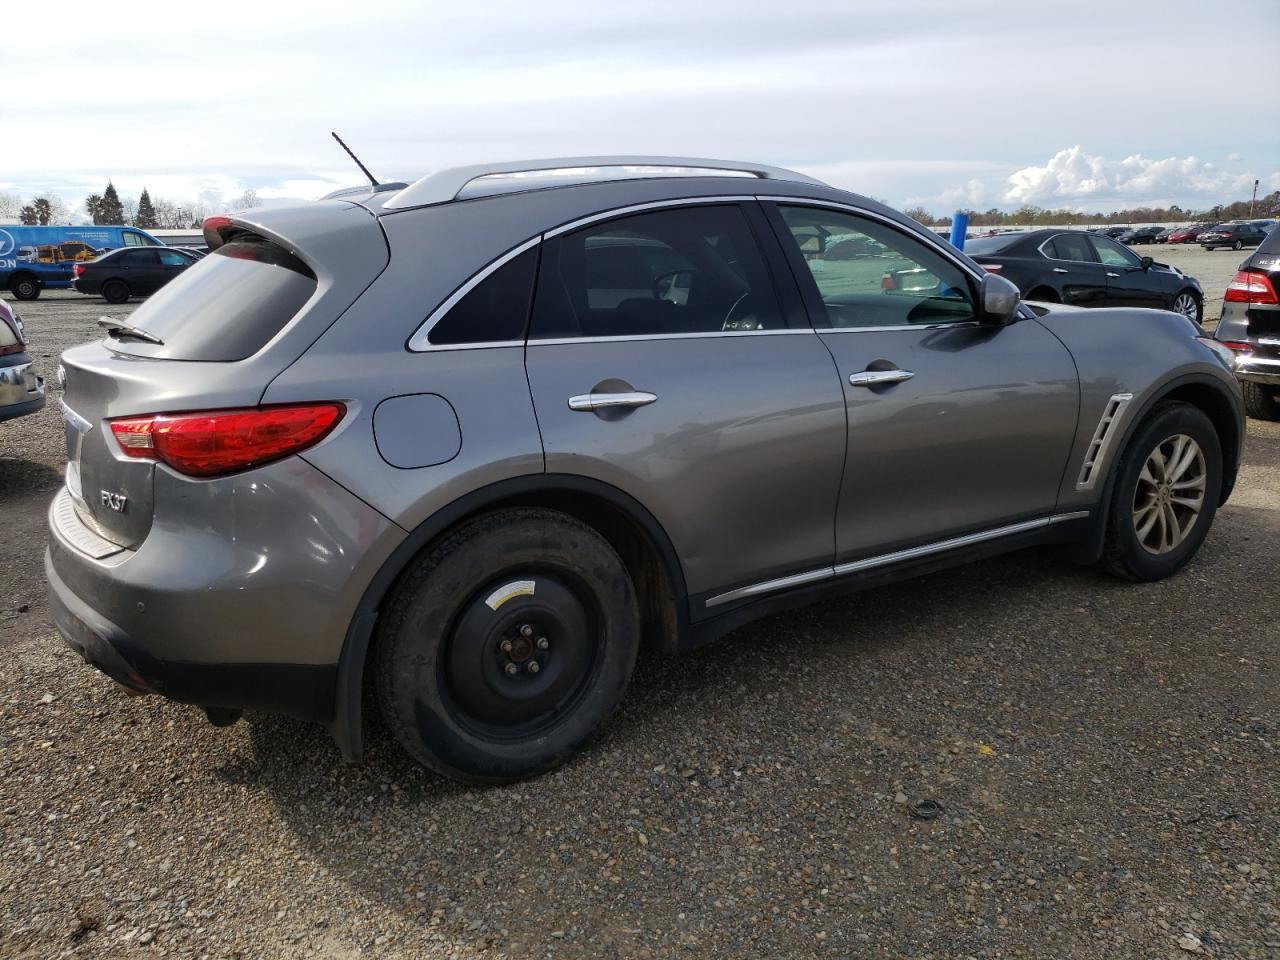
(1098, 446)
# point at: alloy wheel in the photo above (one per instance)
(1186, 305)
(1170, 494)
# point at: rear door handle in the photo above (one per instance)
(588, 402)
(875, 378)
(1060, 270)
(1113, 275)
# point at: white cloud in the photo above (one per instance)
(1072, 177)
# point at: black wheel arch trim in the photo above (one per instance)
(346, 725)
(1089, 550)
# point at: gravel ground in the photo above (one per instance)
(1106, 756)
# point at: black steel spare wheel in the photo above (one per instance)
(506, 645)
(520, 653)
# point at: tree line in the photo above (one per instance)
(110, 209)
(1030, 216)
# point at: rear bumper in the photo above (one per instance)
(240, 599)
(1259, 369)
(21, 388)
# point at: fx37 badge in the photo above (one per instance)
(114, 501)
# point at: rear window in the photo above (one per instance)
(981, 245)
(227, 305)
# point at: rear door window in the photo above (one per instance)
(139, 258)
(226, 306)
(1071, 246)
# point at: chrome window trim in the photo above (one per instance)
(900, 327)
(420, 342)
(884, 559)
(706, 335)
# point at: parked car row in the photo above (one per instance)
(1235, 234)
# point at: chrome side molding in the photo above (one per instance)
(885, 559)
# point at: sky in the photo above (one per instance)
(939, 103)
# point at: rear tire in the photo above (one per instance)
(507, 646)
(1166, 492)
(24, 288)
(115, 291)
(1260, 401)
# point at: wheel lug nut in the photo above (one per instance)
(534, 667)
(512, 669)
(506, 646)
(543, 643)
(526, 630)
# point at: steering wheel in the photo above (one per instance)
(742, 315)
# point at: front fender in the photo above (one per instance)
(1146, 356)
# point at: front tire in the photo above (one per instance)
(115, 291)
(1238, 245)
(1260, 401)
(1166, 492)
(25, 288)
(507, 646)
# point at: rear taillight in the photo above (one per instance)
(1251, 286)
(992, 267)
(212, 229)
(1237, 346)
(79, 269)
(10, 338)
(887, 282)
(215, 442)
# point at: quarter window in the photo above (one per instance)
(496, 309)
(678, 271)
(1112, 254)
(871, 275)
(1071, 246)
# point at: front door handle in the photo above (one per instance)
(1112, 275)
(588, 402)
(1060, 270)
(876, 378)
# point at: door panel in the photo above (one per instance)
(977, 437)
(738, 458)
(954, 426)
(1128, 284)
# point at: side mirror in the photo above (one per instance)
(999, 298)
(1147, 262)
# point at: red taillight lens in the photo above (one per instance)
(1251, 286)
(1239, 346)
(78, 268)
(992, 267)
(887, 283)
(225, 441)
(212, 229)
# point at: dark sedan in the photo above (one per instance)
(1087, 270)
(1140, 235)
(130, 272)
(1250, 326)
(1237, 236)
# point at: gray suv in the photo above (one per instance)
(478, 438)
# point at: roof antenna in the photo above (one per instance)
(362, 167)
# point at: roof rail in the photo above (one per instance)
(463, 183)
